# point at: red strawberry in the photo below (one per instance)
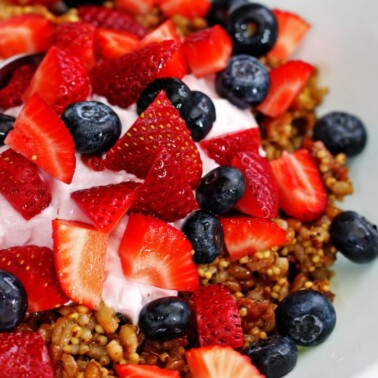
(207, 51)
(155, 253)
(103, 17)
(34, 267)
(286, 83)
(106, 205)
(93, 162)
(291, 30)
(144, 371)
(60, 80)
(301, 190)
(159, 126)
(223, 148)
(121, 80)
(41, 136)
(27, 33)
(77, 38)
(217, 317)
(245, 236)
(79, 251)
(165, 192)
(134, 7)
(21, 184)
(260, 198)
(186, 8)
(217, 361)
(24, 354)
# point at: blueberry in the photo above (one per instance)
(274, 356)
(77, 3)
(354, 236)
(94, 126)
(220, 189)
(165, 318)
(306, 316)
(245, 81)
(341, 133)
(176, 90)
(6, 125)
(218, 13)
(13, 301)
(205, 233)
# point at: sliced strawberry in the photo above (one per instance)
(93, 162)
(135, 7)
(301, 190)
(24, 354)
(186, 8)
(144, 371)
(291, 30)
(163, 32)
(77, 38)
(286, 83)
(217, 361)
(207, 51)
(34, 267)
(165, 192)
(79, 251)
(60, 79)
(217, 317)
(159, 126)
(27, 33)
(155, 253)
(223, 148)
(42, 137)
(260, 198)
(245, 236)
(106, 205)
(121, 80)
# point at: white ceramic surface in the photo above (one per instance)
(343, 43)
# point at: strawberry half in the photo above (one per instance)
(42, 137)
(34, 267)
(24, 354)
(135, 7)
(286, 83)
(245, 236)
(187, 8)
(144, 371)
(155, 253)
(260, 198)
(301, 190)
(79, 251)
(106, 205)
(159, 126)
(60, 79)
(22, 186)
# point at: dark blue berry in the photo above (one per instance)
(274, 356)
(218, 13)
(205, 233)
(165, 318)
(245, 81)
(13, 301)
(76, 3)
(94, 126)
(201, 115)
(220, 189)
(341, 133)
(354, 236)
(6, 125)
(306, 316)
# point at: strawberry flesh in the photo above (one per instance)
(187, 8)
(144, 371)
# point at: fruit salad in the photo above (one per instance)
(169, 195)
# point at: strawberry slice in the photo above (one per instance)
(159, 126)
(245, 236)
(27, 33)
(34, 267)
(79, 251)
(106, 205)
(24, 354)
(223, 148)
(217, 361)
(60, 79)
(207, 51)
(286, 83)
(155, 253)
(187, 8)
(301, 190)
(42, 137)
(260, 198)
(121, 80)
(144, 371)
(135, 7)
(217, 317)
(291, 31)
